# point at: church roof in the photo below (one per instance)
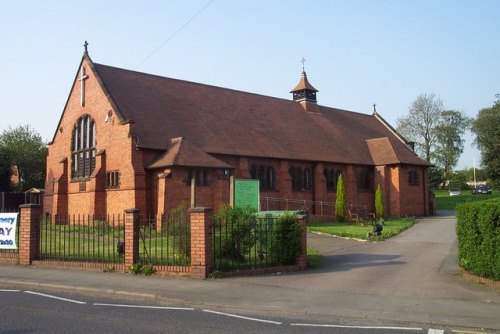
(385, 151)
(181, 152)
(223, 121)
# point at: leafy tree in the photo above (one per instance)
(25, 149)
(487, 130)
(5, 172)
(420, 124)
(449, 139)
(458, 180)
(340, 199)
(436, 178)
(379, 203)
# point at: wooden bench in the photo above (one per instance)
(359, 214)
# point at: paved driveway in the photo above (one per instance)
(414, 272)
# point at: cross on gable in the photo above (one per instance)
(82, 77)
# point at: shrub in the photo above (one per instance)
(478, 233)
(237, 228)
(379, 203)
(285, 239)
(340, 199)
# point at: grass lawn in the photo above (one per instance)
(446, 202)
(392, 227)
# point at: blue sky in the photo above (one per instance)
(357, 52)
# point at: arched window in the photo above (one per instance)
(83, 148)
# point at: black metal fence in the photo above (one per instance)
(10, 201)
(82, 238)
(165, 240)
(254, 243)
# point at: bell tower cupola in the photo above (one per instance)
(305, 93)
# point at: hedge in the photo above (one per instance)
(478, 233)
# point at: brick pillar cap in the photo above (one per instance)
(29, 205)
(200, 209)
(132, 210)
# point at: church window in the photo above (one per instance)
(200, 176)
(83, 148)
(332, 177)
(364, 178)
(302, 179)
(413, 178)
(113, 179)
(266, 176)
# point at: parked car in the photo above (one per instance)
(481, 189)
(455, 192)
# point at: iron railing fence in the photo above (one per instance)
(83, 238)
(319, 208)
(165, 239)
(252, 244)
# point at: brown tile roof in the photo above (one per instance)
(223, 121)
(181, 152)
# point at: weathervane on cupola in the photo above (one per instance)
(304, 92)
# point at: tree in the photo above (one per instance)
(5, 172)
(420, 124)
(449, 139)
(25, 150)
(340, 199)
(436, 178)
(379, 203)
(487, 130)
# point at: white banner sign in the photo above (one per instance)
(8, 225)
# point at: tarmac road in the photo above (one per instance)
(411, 278)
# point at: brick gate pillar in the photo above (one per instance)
(29, 233)
(131, 237)
(301, 261)
(201, 242)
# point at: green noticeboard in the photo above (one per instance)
(246, 193)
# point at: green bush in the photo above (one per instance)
(237, 228)
(478, 233)
(340, 199)
(285, 239)
(379, 203)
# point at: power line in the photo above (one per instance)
(175, 33)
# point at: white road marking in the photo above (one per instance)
(360, 327)
(55, 297)
(242, 317)
(7, 290)
(435, 331)
(146, 306)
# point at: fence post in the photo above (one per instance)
(131, 237)
(29, 233)
(302, 257)
(201, 242)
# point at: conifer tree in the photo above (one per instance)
(340, 199)
(379, 203)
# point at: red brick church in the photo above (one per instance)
(128, 139)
